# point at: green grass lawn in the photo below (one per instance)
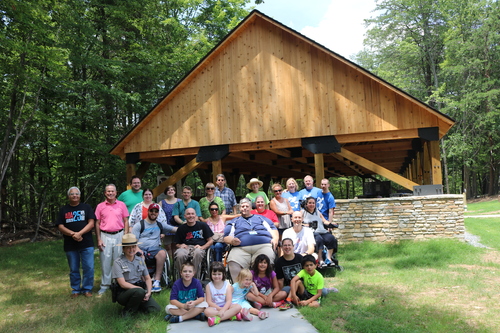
(483, 207)
(439, 285)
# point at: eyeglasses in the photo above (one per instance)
(214, 208)
(276, 191)
(210, 188)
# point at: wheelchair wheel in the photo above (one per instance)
(165, 274)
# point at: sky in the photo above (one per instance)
(335, 24)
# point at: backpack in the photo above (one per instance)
(157, 223)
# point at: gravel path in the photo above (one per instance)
(473, 240)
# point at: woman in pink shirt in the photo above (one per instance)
(217, 223)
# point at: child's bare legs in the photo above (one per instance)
(186, 314)
(233, 310)
(281, 295)
(299, 286)
(258, 313)
(256, 298)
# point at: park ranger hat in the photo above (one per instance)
(128, 240)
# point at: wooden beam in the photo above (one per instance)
(377, 169)
(265, 145)
(144, 156)
(319, 168)
(281, 152)
(378, 136)
(216, 169)
(435, 157)
(181, 173)
(348, 164)
(380, 147)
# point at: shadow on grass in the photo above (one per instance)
(361, 308)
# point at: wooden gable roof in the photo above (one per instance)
(265, 86)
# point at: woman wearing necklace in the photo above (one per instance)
(140, 211)
(208, 199)
(217, 223)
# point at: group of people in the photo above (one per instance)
(132, 228)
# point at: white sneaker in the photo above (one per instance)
(156, 286)
(102, 291)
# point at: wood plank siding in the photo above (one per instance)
(269, 84)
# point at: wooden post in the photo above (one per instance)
(319, 168)
(435, 157)
(426, 165)
(216, 169)
(130, 168)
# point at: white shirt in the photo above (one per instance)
(301, 240)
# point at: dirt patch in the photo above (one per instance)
(492, 256)
(484, 199)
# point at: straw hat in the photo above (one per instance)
(128, 240)
(254, 180)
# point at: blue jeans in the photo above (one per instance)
(86, 256)
(218, 248)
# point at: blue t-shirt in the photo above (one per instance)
(314, 192)
(327, 203)
(185, 294)
(293, 198)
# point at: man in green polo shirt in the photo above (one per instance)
(133, 196)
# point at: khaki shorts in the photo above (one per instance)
(245, 255)
(170, 306)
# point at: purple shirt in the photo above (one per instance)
(263, 283)
(185, 294)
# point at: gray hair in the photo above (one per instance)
(73, 188)
(221, 175)
(260, 196)
(245, 200)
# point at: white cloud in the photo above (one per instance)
(335, 24)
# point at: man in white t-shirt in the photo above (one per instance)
(303, 238)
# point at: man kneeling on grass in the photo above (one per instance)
(187, 299)
(306, 287)
(132, 276)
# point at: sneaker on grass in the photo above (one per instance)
(156, 286)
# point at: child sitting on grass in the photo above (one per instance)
(269, 293)
(187, 299)
(219, 295)
(306, 287)
(241, 288)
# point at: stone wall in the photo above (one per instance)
(393, 219)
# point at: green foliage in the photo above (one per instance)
(446, 53)
(79, 75)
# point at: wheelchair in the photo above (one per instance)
(328, 264)
(204, 269)
(151, 265)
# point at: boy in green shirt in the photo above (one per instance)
(306, 287)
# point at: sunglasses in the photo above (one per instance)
(214, 209)
(154, 210)
(210, 188)
(276, 191)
